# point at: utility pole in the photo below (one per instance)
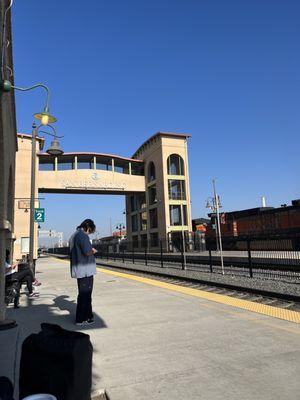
(214, 204)
(219, 234)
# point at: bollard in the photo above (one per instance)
(146, 259)
(132, 254)
(123, 256)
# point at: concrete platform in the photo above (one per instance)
(155, 343)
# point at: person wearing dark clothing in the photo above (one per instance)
(25, 276)
(83, 268)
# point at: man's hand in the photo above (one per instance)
(94, 250)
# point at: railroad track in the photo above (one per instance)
(280, 300)
(258, 296)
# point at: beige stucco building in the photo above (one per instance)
(155, 182)
(8, 148)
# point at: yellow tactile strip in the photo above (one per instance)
(281, 313)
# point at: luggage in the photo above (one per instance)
(58, 362)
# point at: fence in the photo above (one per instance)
(279, 262)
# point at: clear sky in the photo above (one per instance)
(227, 72)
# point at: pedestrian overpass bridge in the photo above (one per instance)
(94, 173)
(154, 182)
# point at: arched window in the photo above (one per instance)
(175, 165)
(151, 171)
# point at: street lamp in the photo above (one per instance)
(120, 227)
(53, 150)
(44, 116)
(214, 204)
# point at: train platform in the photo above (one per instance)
(154, 340)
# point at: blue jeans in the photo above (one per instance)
(84, 300)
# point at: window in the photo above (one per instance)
(64, 165)
(152, 195)
(24, 244)
(184, 215)
(143, 221)
(103, 164)
(121, 167)
(154, 239)
(151, 171)
(175, 215)
(153, 218)
(142, 200)
(144, 241)
(46, 166)
(176, 190)
(137, 169)
(85, 163)
(133, 203)
(135, 242)
(134, 223)
(175, 165)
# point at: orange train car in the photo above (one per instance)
(257, 222)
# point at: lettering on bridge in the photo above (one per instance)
(91, 184)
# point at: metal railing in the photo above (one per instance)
(252, 260)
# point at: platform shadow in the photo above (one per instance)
(64, 304)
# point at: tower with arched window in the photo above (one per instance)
(164, 210)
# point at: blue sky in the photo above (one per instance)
(227, 72)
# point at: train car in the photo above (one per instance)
(264, 223)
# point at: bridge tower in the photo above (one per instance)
(164, 210)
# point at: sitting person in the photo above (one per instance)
(22, 276)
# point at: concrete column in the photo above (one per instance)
(75, 162)
(130, 172)
(113, 165)
(55, 164)
(94, 162)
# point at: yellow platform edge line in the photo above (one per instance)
(275, 312)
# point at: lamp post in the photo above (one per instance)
(120, 227)
(54, 149)
(45, 117)
(6, 86)
(214, 204)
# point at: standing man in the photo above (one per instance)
(83, 268)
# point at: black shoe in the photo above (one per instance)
(90, 321)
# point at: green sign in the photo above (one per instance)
(39, 215)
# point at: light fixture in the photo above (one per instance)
(45, 117)
(54, 149)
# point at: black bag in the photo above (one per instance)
(58, 362)
(6, 389)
